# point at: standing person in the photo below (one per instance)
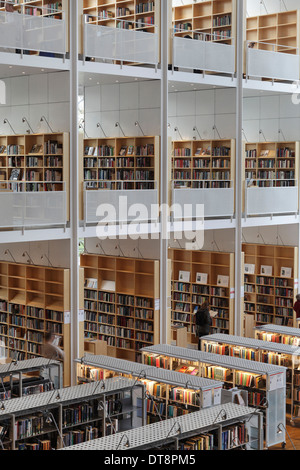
(52, 352)
(297, 309)
(203, 321)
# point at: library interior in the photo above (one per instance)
(150, 225)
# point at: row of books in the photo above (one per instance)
(80, 435)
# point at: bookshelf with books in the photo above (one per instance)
(60, 418)
(34, 300)
(199, 276)
(203, 164)
(212, 20)
(263, 351)
(126, 163)
(121, 302)
(271, 283)
(222, 427)
(263, 385)
(36, 162)
(168, 393)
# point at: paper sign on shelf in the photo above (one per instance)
(81, 315)
(217, 396)
(157, 304)
(276, 381)
(232, 293)
(67, 318)
(207, 398)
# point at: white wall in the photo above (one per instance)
(274, 235)
(125, 103)
(58, 252)
(256, 7)
(148, 249)
(34, 96)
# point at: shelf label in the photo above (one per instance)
(232, 293)
(157, 304)
(207, 398)
(217, 396)
(81, 316)
(67, 318)
(276, 381)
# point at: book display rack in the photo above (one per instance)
(203, 164)
(271, 277)
(121, 303)
(34, 300)
(272, 164)
(222, 427)
(199, 276)
(263, 385)
(168, 393)
(24, 377)
(207, 21)
(52, 420)
(262, 351)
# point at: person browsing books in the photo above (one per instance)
(52, 351)
(203, 321)
(297, 309)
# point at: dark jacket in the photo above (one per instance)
(203, 322)
(297, 308)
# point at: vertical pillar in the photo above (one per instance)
(74, 207)
(238, 327)
(164, 36)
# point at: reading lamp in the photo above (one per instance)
(102, 388)
(279, 431)
(142, 375)
(43, 119)
(177, 130)
(137, 124)
(2, 408)
(101, 407)
(99, 126)
(195, 129)
(45, 256)
(223, 413)
(216, 129)
(147, 395)
(29, 259)
(49, 418)
(82, 126)
(8, 252)
(127, 444)
(179, 431)
(6, 121)
(28, 131)
(119, 125)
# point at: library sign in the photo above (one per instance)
(2, 92)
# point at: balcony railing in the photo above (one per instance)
(33, 33)
(271, 200)
(217, 202)
(113, 206)
(204, 54)
(272, 61)
(22, 209)
(120, 44)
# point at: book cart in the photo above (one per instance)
(70, 415)
(290, 336)
(265, 383)
(222, 427)
(28, 379)
(261, 351)
(168, 393)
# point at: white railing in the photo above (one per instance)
(217, 202)
(203, 54)
(120, 44)
(272, 64)
(103, 206)
(273, 200)
(22, 209)
(33, 33)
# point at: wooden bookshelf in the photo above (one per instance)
(40, 161)
(203, 164)
(270, 297)
(121, 303)
(272, 164)
(271, 32)
(186, 295)
(34, 300)
(213, 20)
